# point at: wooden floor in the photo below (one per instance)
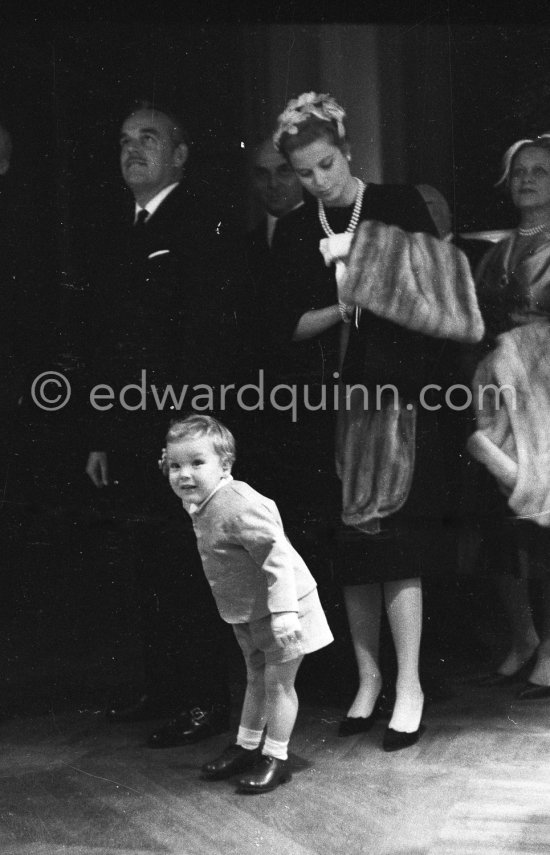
(477, 783)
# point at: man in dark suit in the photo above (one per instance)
(9, 321)
(277, 188)
(11, 370)
(18, 281)
(277, 191)
(160, 281)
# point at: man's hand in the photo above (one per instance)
(97, 468)
(286, 628)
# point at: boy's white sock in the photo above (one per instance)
(272, 748)
(249, 739)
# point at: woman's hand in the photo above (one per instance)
(316, 321)
(344, 291)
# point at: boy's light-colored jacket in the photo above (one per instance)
(251, 566)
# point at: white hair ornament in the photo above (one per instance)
(322, 106)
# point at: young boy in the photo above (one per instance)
(261, 586)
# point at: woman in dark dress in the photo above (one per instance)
(513, 284)
(381, 561)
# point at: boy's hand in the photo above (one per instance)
(286, 628)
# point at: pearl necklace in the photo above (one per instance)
(534, 230)
(354, 217)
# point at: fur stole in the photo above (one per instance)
(513, 435)
(415, 280)
(421, 283)
(375, 451)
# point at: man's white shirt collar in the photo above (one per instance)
(153, 203)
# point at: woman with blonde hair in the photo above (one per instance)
(513, 284)
(395, 495)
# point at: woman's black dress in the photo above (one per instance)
(420, 538)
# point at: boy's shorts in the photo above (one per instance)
(258, 643)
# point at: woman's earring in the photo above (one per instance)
(348, 156)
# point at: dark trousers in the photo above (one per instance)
(184, 639)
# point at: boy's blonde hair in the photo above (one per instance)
(222, 439)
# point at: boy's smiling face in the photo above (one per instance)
(194, 468)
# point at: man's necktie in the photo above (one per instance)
(141, 218)
(271, 228)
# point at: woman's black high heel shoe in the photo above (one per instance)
(533, 692)
(395, 740)
(351, 725)
(497, 679)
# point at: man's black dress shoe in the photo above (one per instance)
(351, 725)
(191, 726)
(395, 740)
(267, 774)
(232, 760)
(145, 707)
(534, 692)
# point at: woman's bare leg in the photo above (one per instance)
(404, 609)
(364, 608)
(541, 672)
(514, 594)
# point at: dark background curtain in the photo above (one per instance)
(431, 102)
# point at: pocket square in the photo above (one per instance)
(158, 252)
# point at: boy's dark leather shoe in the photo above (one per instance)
(232, 760)
(191, 726)
(267, 774)
(144, 708)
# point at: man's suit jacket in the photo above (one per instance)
(256, 301)
(258, 249)
(161, 299)
(252, 311)
(27, 313)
